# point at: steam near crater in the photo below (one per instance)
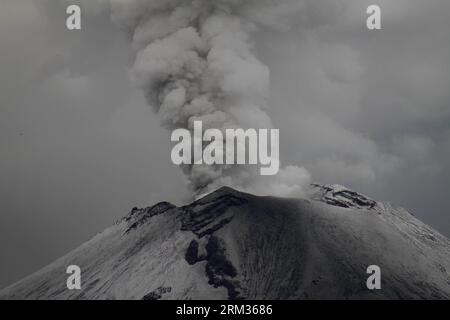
(195, 62)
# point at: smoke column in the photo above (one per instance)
(194, 61)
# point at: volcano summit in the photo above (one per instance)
(232, 245)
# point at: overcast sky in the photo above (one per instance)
(80, 147)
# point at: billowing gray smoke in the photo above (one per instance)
(194, 61)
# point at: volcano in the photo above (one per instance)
(233, 245)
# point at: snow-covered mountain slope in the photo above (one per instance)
(231, 245)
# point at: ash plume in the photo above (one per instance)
(194, 60)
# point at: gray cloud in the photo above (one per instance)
(370, 109)
(79, 146)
